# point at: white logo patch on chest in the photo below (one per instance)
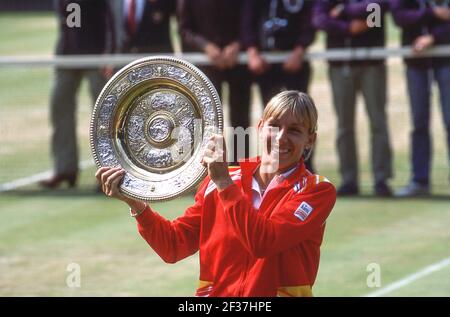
(303, 211)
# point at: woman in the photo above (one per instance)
(258, 229)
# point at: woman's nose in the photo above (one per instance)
(281, 134)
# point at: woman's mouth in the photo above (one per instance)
(284, 151)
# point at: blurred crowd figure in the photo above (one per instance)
(213, 27)
(424, 24)
(222, 29)
(96, 36)
(143, 26)
(346, 27)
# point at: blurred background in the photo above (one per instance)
(43, 231)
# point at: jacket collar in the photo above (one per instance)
(249, 166)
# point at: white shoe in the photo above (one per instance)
(413, 189)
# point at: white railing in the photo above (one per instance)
(74, 61)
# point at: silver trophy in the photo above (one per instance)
(154, 118)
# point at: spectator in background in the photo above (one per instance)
(213, 27)
(143, 26)
(94, 36)
(346, 27)
(275, 25)
(424, 24)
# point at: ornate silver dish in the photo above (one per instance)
(153, 118)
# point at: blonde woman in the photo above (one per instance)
(258, 228)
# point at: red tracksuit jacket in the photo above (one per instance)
(243, 251)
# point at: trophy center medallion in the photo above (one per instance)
(160, 129)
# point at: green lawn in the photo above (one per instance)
(27, 33)
(402, 236)
(42, 232)
(47, 233)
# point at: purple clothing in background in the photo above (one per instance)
(416, 18)
(337, 29)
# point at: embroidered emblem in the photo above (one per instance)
(303, 211)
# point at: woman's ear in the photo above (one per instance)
(311, 139)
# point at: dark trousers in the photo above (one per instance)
(239, 82)
(346, 82)
(420, 80)
(63, 118)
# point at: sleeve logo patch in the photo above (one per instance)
(303, 211)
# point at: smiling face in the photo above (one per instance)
(286, 140)
(287, 129)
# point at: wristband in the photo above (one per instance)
(134, 213)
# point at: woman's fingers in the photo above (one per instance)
(219, 142)
(100, 171)
(113, 182)
(105, 176)
(207, 159)
(107, 173)
(109, 178)
(211, 156)
(214, 150)
(211, 145)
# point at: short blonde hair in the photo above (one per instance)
(296, 103)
